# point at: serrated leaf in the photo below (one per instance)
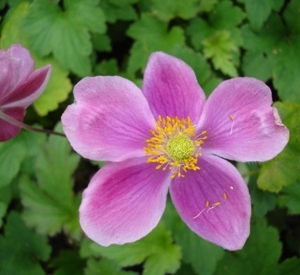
(169, 9)
(262, 201)
(101, 42)
(206, 78)
(255, 64)
(258, 12)
(198, 29)
(70, 43)
(290, 198)
(289, 267)
(59, 85)
(202, 255)
(259, 255)
(280, 44)
(22, 249)
(122, 10)
(14, 3)
(57, 89)
(151, 35)
(284, 169)
(156, 250)
(219, 48)
(107, 67)
(50, 205)
(207, 5)
(226, 16)
(104, 266)
(12, 154)
(68, 262)
(3, 207)
(86, 13)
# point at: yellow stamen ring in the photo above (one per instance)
(174, 145)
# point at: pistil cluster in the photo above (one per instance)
(174, 146)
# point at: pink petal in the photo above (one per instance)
(22, 63)
(123, 202)
(240, 122)
(171, 88)
(110, 119)
(30, 90)
(214, 202)
(7, 130)
(16, 65)
(6, 75)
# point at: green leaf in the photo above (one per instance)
(57, 90)
(6, 194)
(284, 169)
(151, 35)
(50, 205)
(12, 154)
(14, 3)
(21, 249)
(86, 13)
(197, 36)
(3, 208)
(280, 43)
(226, 16)
(289, 267)
(116, 9)
(156, 250)
(256, 64)
(69, 42)
(263, 202)
(207, 5)
(259, 255)
(169, 9)
(101, 42)
(202, 255)
(68, 262)
(219, 48)
(104, 266)
(290, 198)
(59, 85)
(107, 67)
(258, 12)
(206, 78)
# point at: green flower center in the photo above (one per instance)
(174, 146)
(180, 148)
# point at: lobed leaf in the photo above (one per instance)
(21, 249)
(284, 169)
(156, 250)
(50, 205)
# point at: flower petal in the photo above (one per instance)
(22, 63)
(171, 88)
(16, 66)
(30, 90)
(110, 119)
(240, 122)
(123, 202)
(6, 75)
(7, 130)
(214, 202)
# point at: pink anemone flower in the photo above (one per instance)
(168, 137)
(20, 86)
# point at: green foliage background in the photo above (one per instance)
(41, 178)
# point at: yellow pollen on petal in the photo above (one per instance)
(174, 146)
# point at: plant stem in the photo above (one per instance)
(22, 125)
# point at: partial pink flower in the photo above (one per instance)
(167, 137)
(20, 86)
